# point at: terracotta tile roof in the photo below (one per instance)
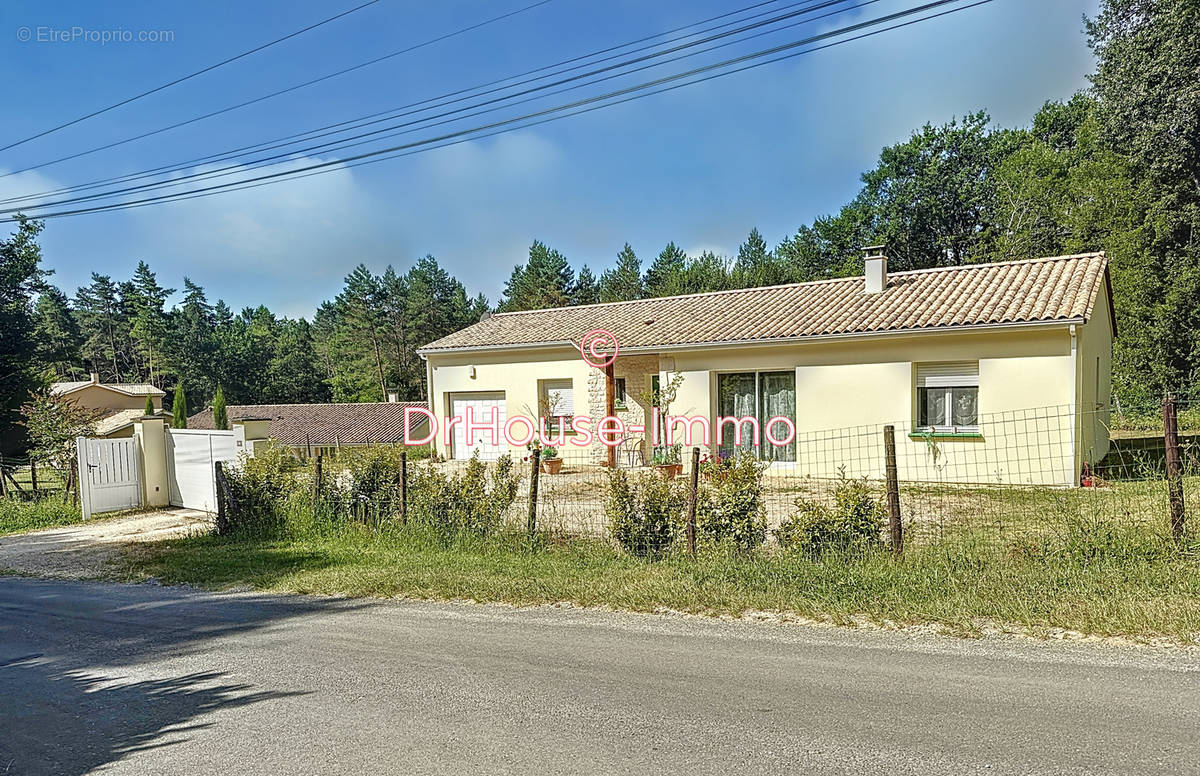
(117, 420)
(324, 424)
(1061, 288)
(129, 389)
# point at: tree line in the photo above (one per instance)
(1115, 168)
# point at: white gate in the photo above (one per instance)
(109, 477)
(190, 458)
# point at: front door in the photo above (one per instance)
(761, 396)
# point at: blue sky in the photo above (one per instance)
(773, 147)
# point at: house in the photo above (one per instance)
(309, 429)
(118, 404)
(991, 373)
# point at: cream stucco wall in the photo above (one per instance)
(1039, 392)
(101, 398)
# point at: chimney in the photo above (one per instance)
(393, 397)
(876, 266)
(95, 378)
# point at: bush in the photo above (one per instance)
(852, 526)
(472, 502)
(28, 515)
(730, 506)
(642, 515)
(259, 487)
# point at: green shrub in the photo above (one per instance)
(642, 513)
(259, 488)
(473, 502)
(851, 527)
(29, 515)
(730, 508)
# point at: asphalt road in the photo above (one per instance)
(152, 680)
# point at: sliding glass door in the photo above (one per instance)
(759, 395)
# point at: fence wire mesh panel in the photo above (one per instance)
(1014, 477)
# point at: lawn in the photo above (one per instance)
(1104, 583)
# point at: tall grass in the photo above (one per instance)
(18, 515)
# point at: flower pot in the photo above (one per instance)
(669, 470)
(552, 466)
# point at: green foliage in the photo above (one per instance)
(546, 280)
(21, 278)
(851, 527)
(260, 488)
(643, 510)
(730, 508)
(220, 414)
(149, 408)
(52, 424)
(31, 515)
(624, 281)
(179, 409)
(473, 502)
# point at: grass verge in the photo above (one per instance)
(1133, 585)
(17, 515)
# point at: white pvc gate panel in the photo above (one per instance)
(109, 477)
(482, 406)
(190, 472)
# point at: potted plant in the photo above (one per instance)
(713, 467)
(668, 461)
(551, 463)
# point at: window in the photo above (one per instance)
(759, 395)
(557, 402)
(948, 397)
(619, 395)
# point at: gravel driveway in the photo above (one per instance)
(88, 550)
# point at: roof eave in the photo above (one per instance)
(646, 349)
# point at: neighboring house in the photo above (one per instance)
(119, 404)
(309, 429)
(973, 364)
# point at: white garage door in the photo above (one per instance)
(190, 458)
(482, 406)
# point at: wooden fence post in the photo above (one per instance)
(33, 474)
(692, 486)
(534, 467)
(1174, 465)
(3, 487)
(895, 525)
(317, 478)
(222, 507)
(403, 487)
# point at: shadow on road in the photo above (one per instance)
(85, 669)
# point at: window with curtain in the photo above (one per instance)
(759, 395)
(948, 397)
(558, 402)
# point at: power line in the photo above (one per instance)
(579, 107)
(428, 120)
(246, 103)
(189, 76)
(395, 112)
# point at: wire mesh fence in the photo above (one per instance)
(1015, 475)
(29, 478)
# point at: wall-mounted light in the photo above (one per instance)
(471, 372)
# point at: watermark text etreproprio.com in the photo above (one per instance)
(45, 33)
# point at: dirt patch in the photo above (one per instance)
(89, 550)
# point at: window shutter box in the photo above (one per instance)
(952, 375)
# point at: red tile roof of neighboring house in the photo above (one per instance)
(1058, 289)
(324, 425)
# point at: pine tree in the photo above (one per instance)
(545, 281)
(665, 277)
(57, 335)
(179, 408)
(220, 416)
(624, 281)
(149, 410)
(586, 290)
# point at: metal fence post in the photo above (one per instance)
(896, 527)
(403, 487)
(535, 466)
(692, 485)
(1174, 465)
